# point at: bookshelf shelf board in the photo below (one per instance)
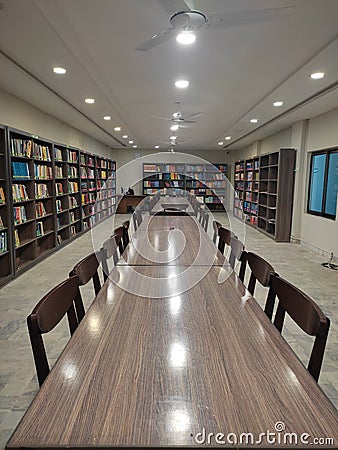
(6, 252)
(17, 202)
(24, 223)
(47, 233)
(25, 242)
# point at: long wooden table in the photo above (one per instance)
(175, 370)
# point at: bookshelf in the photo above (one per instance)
(5, 217)
(41, 191)
(264, 187)
(204, 181)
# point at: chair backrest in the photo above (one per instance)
(126, 239)
(137, 219)
(204, 219)
(238, 253)
(225, 236)
(86, 270)
(261, 271)
(120, 233)
(46, 315)
(308, 316)
(109, 250)
(216, 225)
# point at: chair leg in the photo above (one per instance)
(317, 353)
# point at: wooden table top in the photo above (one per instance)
(154, 372)
(171, 241)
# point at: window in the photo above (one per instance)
(323, 188)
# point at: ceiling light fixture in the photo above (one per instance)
(131, 142)
(186, 38)
(182, 84)
(253, 120)
(227, 138)
(59, 70)
(317, 75)
(220, 143)
(90, 100)
(173, 138)
(174, 127)
(278, 103)
(135, 146)
(117, 128)
(157, 146)
(125, 136)
(106, 117)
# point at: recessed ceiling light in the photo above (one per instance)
(227, 138)
(174, 127)
(135, 146)
(317, 75)
(253, 120)
(131, 142)
(59, 70)
(89, 100)
(117, 128)
(278, 103)
(182, 84)
(186, 38)
(106, 117)
(157, 146)
(173, 137)
(125, 136)
(220, 143)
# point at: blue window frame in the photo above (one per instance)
(323, 184)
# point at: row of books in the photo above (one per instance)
(87, 197)
(87, 172)
(19, 213)
(30, 149)
(42, 172)
(3, 242)
(2, 195)
(19, 193)
(41, 190)
(20, 170)
(88, 185)
(1, 223)
(39, 229)
(40, 209)
(59, 189)
(58, 172)
(86, 160)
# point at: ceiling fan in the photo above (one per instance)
(185, 19)
(179, 120)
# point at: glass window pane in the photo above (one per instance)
(332, 185)
(317, 182)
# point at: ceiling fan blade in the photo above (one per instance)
(194, 115)
(246, 17)
(173, 6)
(156, 40)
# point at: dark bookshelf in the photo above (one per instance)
(40, 197)
(264, 192)
(205, 181)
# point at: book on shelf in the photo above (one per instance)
(57, 154)
(19, 193)
(59, 239)
(72, 202)
(41, 191)
(58, 206)
(41, 152)
(71, 156)
(39, 229)
(40, 209)
(2, 195)
(72, 172)
(21, 147)
(20, 170)
(72, 230)
(3, 242)
(19, 213)
(42, 172)
(16, 238)
(58, 172)
(73, 187)
(59, 188)
(1, 223)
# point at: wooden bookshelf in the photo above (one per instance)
(42, 197)
(6, 271)
(264, 192)
(205, 181)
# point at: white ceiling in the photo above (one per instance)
(235, 72)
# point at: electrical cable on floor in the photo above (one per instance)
(330, 263)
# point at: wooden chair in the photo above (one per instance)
(238, 253)
(225, 236)
(108, 251)
(137, 219)
(216, 225)
(86, 270)
(204, 219)
(308, 316)
(126, 238)
(261, 271)
(120, 233)
(46, 315)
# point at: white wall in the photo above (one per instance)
(18, 114)
(319, 233)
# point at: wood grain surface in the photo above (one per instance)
(144, 371)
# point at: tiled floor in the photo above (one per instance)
(18, 383)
